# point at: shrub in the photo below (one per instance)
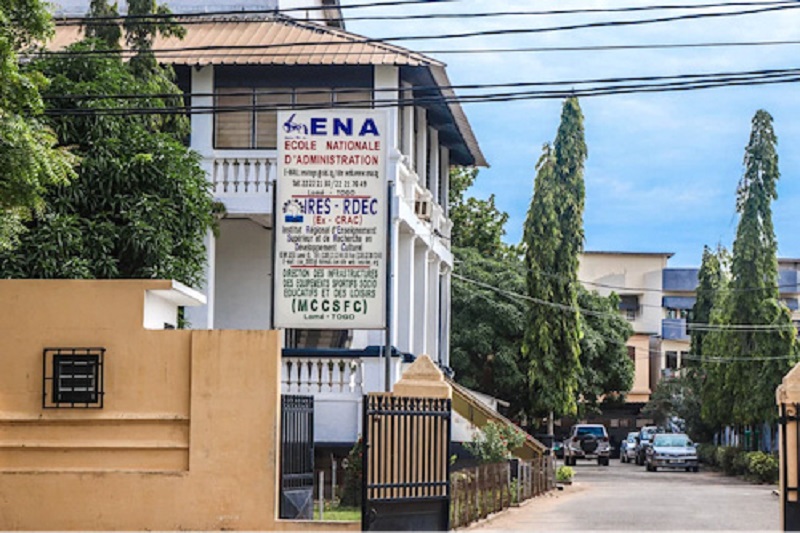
(493, 444)
(740, 466)
(762, 467)
(351, 495)
(564, 474)
(725, 456)
(706, 453)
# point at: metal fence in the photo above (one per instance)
(482, 490)
(406, 465)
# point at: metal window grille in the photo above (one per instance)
(73, 377)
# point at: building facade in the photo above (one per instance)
(242, 69)
(657, 300)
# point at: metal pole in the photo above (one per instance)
(387, 351)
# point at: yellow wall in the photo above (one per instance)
(188, 435)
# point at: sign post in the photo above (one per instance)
(331, 220)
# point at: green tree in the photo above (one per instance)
(606, 369)
(477, 224)
(488, 325)
(29, 158)
(140, 206)
(752, 298)
(553, 237)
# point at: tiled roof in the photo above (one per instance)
(274, 40)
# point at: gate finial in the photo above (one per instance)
(423, 379)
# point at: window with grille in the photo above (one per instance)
(247, 118)
(73, 377)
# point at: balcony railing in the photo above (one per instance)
(674, 329)
(234, 176)
(320, 375)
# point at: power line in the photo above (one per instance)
(743, 328)
(423, 101)
(451, 36)
(198, 18)
(72, 21)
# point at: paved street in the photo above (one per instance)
(626, 497)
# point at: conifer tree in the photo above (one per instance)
(756, 340)
(553, 238)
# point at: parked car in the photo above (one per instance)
(643, 442)
(671, 450)
(587, 441)
(627, 448)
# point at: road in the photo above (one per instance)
(625, 497)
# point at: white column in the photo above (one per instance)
(202, 141)
(420, 298)
(444, 178)
(387, 89)
(203, 123)
(433, 155)
(421, 143)
(433, 315)
(446, 280)
(202, 317)
(406, 291)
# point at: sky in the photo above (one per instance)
(663, 168)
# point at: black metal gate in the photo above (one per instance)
(297, 457)
(790, 434)
(406, 469)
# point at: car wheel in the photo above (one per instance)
(695, 469)
(604, 461)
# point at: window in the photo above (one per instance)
(247, 118)
(672, 360)
(632, 353)
(629, 306)
(678, 313)
(74, 376)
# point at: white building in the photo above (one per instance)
(254, 62)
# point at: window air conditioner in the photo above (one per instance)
(422, 208)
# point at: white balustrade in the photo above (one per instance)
(238, 176)
(321, 375)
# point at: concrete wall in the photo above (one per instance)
(188, 434)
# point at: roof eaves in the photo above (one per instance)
(460, 118)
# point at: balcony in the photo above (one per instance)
(679, 279)
(788, 281)
(241, 180)
(674, 329)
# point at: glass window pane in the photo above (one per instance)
(233, 129)
(353, 97)
(267, 120)
(313, 98)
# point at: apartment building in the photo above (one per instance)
(658, 301)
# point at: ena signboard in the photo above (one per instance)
(330, 220)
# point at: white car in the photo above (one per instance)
(587, 441)
(627, 449)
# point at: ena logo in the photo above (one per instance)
(333, 126)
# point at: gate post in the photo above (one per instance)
(788, 400)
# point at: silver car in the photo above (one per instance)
(671, 450)
(627, 448)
